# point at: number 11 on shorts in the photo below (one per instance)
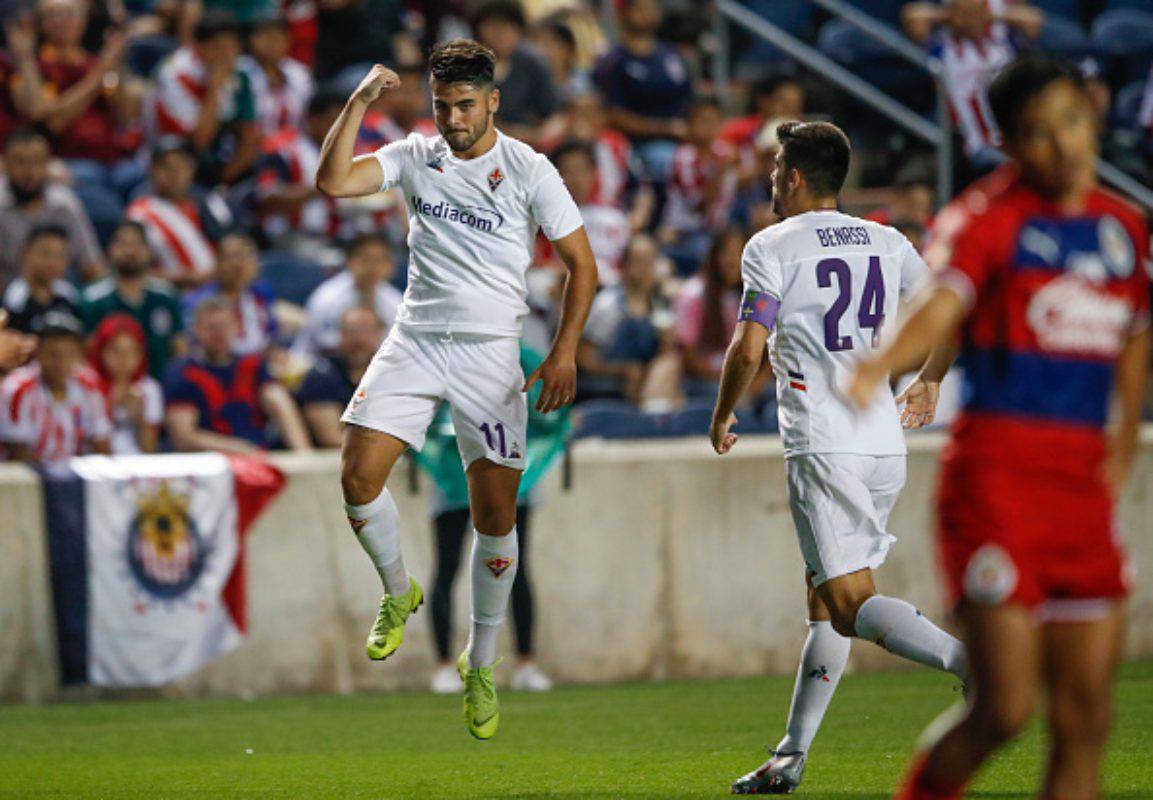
(487, 431)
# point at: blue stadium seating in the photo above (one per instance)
(885, 10)
(1070, 9)
(1141, 5)
(291, 278)
(1127, 105)
(877, 64)
(1126, 35)
(1064, 37)
(798, 18)
(146, 52)
(692, 420)
(614, 419)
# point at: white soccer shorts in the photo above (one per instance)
(479, 376)
(841, 504)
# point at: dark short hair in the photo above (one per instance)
(132, 225)
(324, 100)
(172, 144)
(818, 150)
(367, 240)
(266, 21)
(562, 33)
(45, 230)
(570, 147)
(23, 136)
(215, 22)
(462, 61)
(703, 101)
(770, 83)
(509, 11)
(1021, 81)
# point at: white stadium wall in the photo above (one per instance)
(661, 561)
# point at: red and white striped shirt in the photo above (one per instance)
(614, 164)
(181, 84)
(692, 174)
(176, 235)
(54, 430)
(291, 159)
(279, 107)
(969, 65)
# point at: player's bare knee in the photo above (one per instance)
(492, 520)
(1080, 716)
(359, 484)
(998, 722)
(843, 623)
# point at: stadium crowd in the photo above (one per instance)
(179, 282)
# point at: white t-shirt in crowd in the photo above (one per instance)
(838, 280)
(472, 225)
(327, 304)
(124, 442)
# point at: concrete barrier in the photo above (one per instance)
(663, 560)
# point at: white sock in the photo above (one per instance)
(377, 526)
(494, 564)
(822, 663)
(902, 630)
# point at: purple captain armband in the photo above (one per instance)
(759, 307)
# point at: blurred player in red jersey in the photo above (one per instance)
(1043, 274)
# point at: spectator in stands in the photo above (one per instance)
(281, 85)
(252, 303)
(117, 352)
(219, 402)
(21, 86)
(294, 212)
(28, 199)
(364, 282)
(202, 95)
(354, 34)
(182, 221)
(706, 312)
(647, 87)
(81, 108)
(330, 383)
(607, 225)
(53, 408)
(41, 287)
(618, 169)
(527, 97)
(626, 330)
(702, 189)
(558, 44)
(973, 39)
(776, 97)
(912, 198)
(132, 290)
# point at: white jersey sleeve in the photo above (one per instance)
(16, 425)
(552, 205)
(913, 268)
(762, 275)
(394, 159)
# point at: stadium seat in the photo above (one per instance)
(885, 10)
(1063, 36)
(877, 64)
(291, 278)
(797, 18)
(1126, 35)
(1127, 105)
(146, 52)
(1069, 9)
(1141, 5)
(614, 419)
(692, 420)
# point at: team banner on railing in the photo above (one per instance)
(147, 562)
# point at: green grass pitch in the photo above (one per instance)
(667, 740)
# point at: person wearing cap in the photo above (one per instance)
(53, 408)
(41, 286)
(183, 223)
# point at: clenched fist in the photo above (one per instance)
(378, 79)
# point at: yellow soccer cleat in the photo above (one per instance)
(388, 632)
(481, 710)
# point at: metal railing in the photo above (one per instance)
(939, 134)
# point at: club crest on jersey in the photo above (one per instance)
(495, 179)
(498, 565)
(436, 163)
(358, 398)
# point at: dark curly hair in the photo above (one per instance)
(462, 61)
(818, 150)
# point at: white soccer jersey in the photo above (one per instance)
(472, 225)
(834, 282)
(53, 429)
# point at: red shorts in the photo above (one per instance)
(1027, 536)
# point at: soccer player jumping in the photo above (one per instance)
(818, 288)
(475, 199)
(1043, 274)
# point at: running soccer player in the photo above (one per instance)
(818, 288)
(1043, 274)
(475, 199)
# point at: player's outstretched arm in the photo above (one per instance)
(339, 174)
(931, 326)
(558, 371)
(742, 361)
